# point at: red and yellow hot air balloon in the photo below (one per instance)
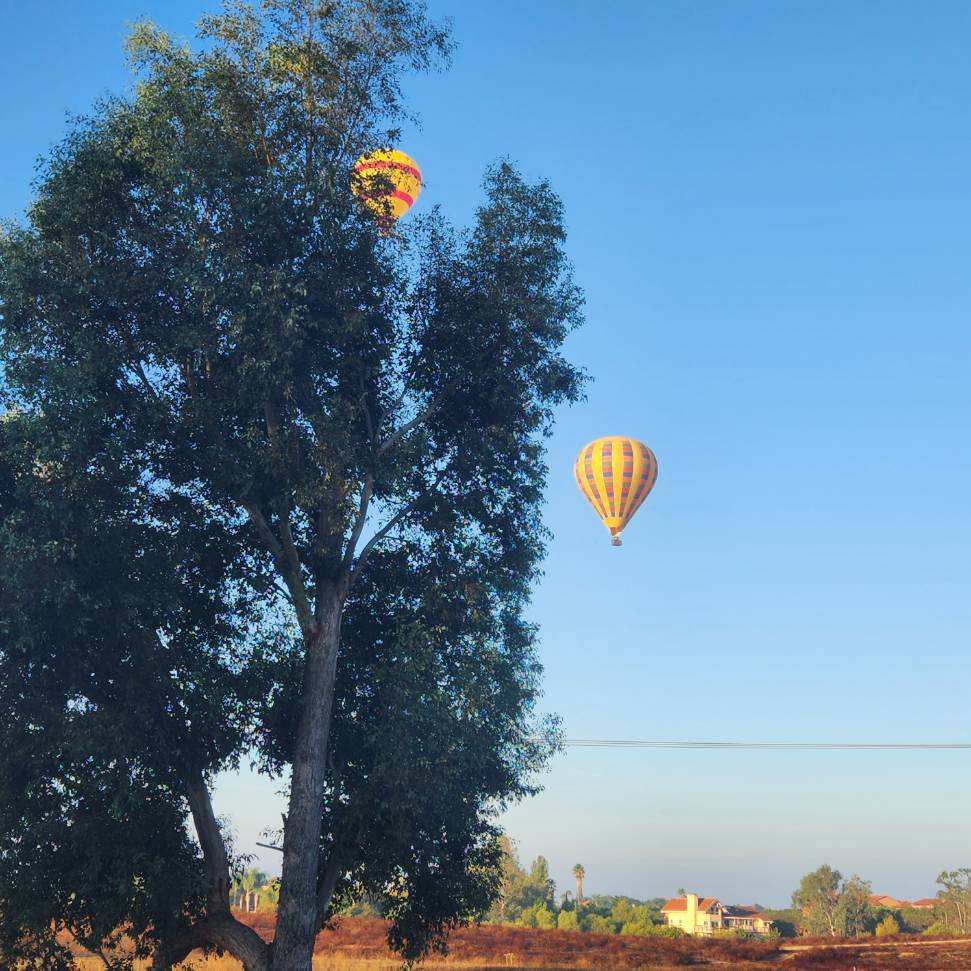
(615, 473)
(388, 182)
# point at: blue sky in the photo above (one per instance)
(769, 210)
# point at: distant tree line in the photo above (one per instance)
(827, 904)
(527, 898)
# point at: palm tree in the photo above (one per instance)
(578, 874)
(249, 881)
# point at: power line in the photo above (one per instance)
(769, 746)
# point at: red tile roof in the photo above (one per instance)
(681, 903)
(885, 900)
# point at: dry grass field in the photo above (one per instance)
(359, 945)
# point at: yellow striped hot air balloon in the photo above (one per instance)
(388, 182)
(615, 473)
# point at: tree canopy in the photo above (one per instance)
(270, 488)
(955, 899)
(829, 904)
(521, 892)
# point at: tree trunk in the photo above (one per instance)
(297, 923)
(218, 928)
(212, 844)
(222, 931)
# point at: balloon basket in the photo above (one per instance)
(615, 541)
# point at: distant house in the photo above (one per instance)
(885, 900)
(704, 915)
(892, 903)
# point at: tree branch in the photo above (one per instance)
(287, 562)
(399, 400)
(222, 931)
(213, 845)
(390, 525)
(437, 402)
(371, 430)
(328, 883)
(263, 528)
(380, 535)
(273, 430)
(283, 509)
(314, 410)
(143, 377)
(366, 492)
(282, 548)
(400, 432)
(367, 489)
(290, 554)
(218, 928)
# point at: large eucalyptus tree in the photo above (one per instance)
(270, 489)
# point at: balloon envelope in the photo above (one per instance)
(616, 474)
(387, 181)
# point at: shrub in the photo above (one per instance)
(567, 921)
(736, 934)
(597, 924)
(539, 915)
(660, 930)
(545, 918)
(887, 927)
(643, 927)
